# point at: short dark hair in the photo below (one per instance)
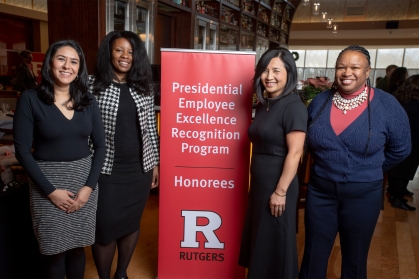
(25, 53)
(396, 79)
(390, 67)
(357, 48)
(409, 90)
(139, 76)
(289, 64)
(78, 87)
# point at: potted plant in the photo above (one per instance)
(313, 86)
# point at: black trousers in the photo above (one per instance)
(397, 186)
(350, 209)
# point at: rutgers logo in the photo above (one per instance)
(191, 229)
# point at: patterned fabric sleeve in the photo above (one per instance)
(152, 126)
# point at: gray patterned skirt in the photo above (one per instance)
(56, 230)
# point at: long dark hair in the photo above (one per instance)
(138, 77)
(78, 87)
(396, 79)
(289, 64)
(409, 90)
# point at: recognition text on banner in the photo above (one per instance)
(206, 109)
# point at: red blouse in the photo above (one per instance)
(340, 121)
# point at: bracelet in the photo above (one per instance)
(280, 195)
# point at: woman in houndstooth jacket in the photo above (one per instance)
(123, 87)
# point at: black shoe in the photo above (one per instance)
(400, 203)
(408, 193)
(392, 197)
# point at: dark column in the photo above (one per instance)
(81, 20)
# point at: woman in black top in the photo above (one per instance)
(123, 87)
(400, 175)
(269, 247)
(58, 118)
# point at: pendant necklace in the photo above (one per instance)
(117, 80)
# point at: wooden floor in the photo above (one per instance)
(394, 251)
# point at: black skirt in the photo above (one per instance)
(122, 199)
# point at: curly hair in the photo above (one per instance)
(138, 77)
(78, 87)
(289, 64)
(409, 90)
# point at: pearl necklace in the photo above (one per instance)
(347, 104)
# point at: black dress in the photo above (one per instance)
(124, 193)
(268, 245)
(407, 168)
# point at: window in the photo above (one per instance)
(315, 63)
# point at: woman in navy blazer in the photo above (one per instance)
(355, 133)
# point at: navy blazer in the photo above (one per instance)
(344, 157)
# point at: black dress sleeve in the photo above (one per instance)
(23, 128)
(99, 145)
(295, 117)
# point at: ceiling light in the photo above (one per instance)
(324, 14)
(335, 28)
(306, 2)
(329, 23)
(316, 8)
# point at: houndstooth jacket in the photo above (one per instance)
(108, 102)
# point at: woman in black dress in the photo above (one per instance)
(123, 87)
(399, 176)
(268, 247)
(57, 119)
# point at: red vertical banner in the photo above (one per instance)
(38, 59)
(205, 113)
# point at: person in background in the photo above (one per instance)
(397, 78)
(59, 117)
(383, 84)
(123, 86)
(268, 246)
(377, 79)
(400, 175)
(355, 133)
(25, 78)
